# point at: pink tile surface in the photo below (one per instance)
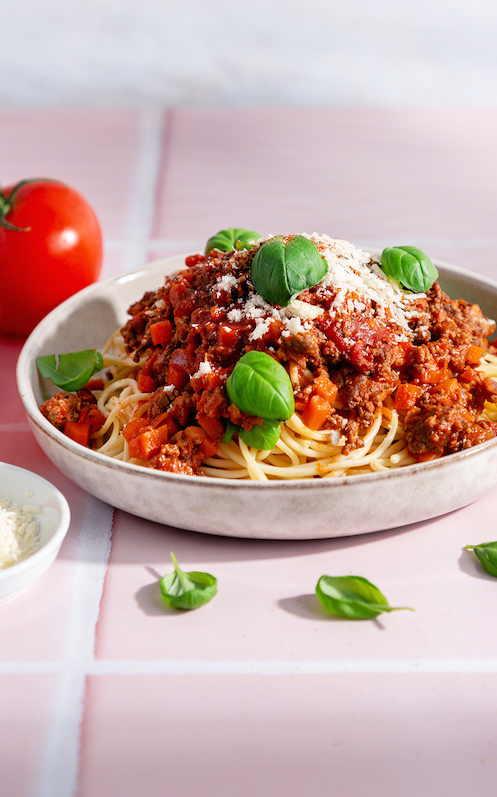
(266, 605)
(321, 735)
(26, 708)
(93, 150)
(10, 348)
(367, 176)
(404, 705)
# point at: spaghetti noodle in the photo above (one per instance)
(381, 378)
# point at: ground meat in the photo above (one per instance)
(365, 395)
(213, 403)
(171, 459)
(64, 407)
(445, 430)
(160, 402)
(465, 315)
(183, 407)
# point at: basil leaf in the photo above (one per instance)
(229, 432)
(263, 437)
(409, 266)
(70, 371)
(487, 554)
(258, 385)
(182, 590)
(232, 238)
(282, 269)
(352, 597)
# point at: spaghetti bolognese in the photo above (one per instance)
(380, 376)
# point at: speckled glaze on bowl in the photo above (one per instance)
(24, 487)
(307, 509)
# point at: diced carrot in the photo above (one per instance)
(406, 396)
(427, 456)
(148, 442)
(95, 419)
(176, 376)
(95, 384)
(215, 378)
(172, 425)
(165, 418)
(145, 383)
(161, 332)
(467, 375)
(474, 354)
(134, 427)
(216, 313)
(431, 376)
(447, 386)
(213, 427)
(208, 448)
(316, 412)
(77, 431)
(325, 388)
(228, 335)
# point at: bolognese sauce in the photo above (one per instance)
(358, 349)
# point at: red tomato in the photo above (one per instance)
(57, 251)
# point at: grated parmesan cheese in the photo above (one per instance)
(354, 271)
(19, 532)
(298, 309)
(204, 368)
(225, 283)
(353, 284)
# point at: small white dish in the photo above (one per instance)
(300, 509)
(23, 487)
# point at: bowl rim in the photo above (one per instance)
(56, 540)
(205, 483)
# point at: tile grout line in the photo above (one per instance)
(258, 667)
(59, 770)
(144, 194)
(287, 667)
(157, 243)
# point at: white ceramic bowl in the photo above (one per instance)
(304, 509)
(24, 487)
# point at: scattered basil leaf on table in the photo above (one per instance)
(232, 238)
(263, 437)
(409, 266)
(487, 554)
(182, 590)
(70, 371)
(282, 269)
(258, 385)
(353, 597)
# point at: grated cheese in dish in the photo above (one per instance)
(19, 532)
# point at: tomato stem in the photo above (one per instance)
(7, 202)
